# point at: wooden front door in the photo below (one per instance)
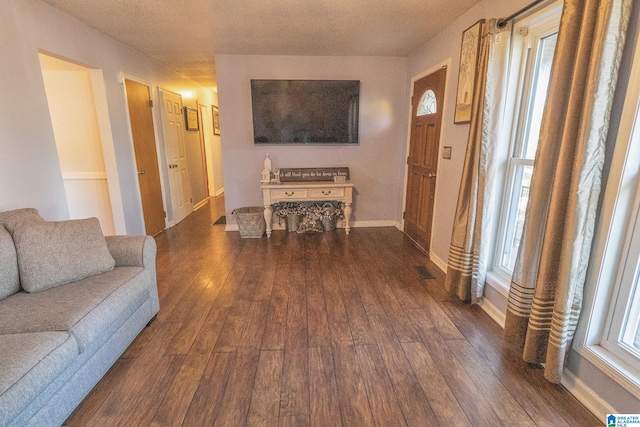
(426, 118)
(144, 143)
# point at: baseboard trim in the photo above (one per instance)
(586, 395)
(438, 261)
(355, 224)
(364, 224)
(200, 204)
(497, 315)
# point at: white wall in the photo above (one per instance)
(30, 173)
(29, 169)
(376, 164)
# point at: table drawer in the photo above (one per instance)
(283, 193)
(324, 193)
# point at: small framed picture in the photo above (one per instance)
(216, 120)
(467, 73)
(191, 118)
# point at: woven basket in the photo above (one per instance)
(250, 221)
(329, 223)
(293, 222)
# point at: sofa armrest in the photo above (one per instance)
(132, 251)
(137, 251)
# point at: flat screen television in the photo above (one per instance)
(305, 111)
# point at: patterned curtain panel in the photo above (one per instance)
(547, 285)
(468, 253)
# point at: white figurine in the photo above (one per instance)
(266, 172)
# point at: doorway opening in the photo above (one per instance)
(75, 94)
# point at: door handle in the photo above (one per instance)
(431, 175)
(141, 172)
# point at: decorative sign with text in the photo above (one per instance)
(312, 174)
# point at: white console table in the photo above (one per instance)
(311, 191)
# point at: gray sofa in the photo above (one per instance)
(71, 301)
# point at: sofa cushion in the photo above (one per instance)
(84, 308)
(12, 218)
(28, 363)
(51, 254)
(9, 278)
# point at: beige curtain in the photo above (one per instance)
(468, 253)
(545, 297)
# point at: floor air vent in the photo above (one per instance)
(424, 273)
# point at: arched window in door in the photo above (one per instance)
(428, 104)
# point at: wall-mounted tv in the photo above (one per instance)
(305, 111)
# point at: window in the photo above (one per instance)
(521, 163)
(427, 104)
(621, 335)
(609, 335)
(532, 57)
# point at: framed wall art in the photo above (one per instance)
(191, 118)
(467, 72)
(216, 120)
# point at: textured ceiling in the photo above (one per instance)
(185, 35)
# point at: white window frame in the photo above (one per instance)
(616, 253)
(523, 60)
(627, 277)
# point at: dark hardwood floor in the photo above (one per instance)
(315, 329)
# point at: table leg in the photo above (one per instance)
(268, 214)
(347, 217)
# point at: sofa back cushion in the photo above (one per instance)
(55, 253)
(9, 280)
(9, 277)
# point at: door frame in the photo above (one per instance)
(203, 146)
(152, 93)
(108, 149)
(446, 63)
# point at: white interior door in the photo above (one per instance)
(173, 126)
